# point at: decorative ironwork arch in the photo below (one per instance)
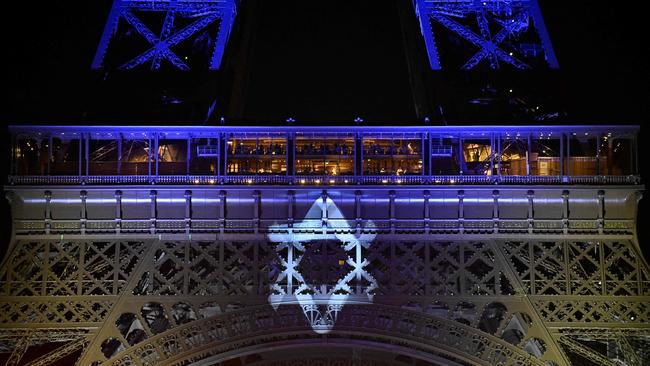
(235, 333)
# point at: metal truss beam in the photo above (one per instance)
(206, 11)
(577, 348)
(511, 16)
(59, 353)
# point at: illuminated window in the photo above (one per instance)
(250, 154)
(392, 154)
(329, 154)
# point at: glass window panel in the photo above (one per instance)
(257, 154)
(65, 156)
(392, 155)
(477, 154)
(514, 154)
(331, 154)
(444, 155)
(545, 154)
(582, 154)
(103, 157)
(172, 156)
(136, 155)
(205, 156)
(31, 156)
(616, 154)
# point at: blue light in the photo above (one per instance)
(203, 13)
(511, 16)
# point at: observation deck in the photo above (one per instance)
(182, 180)
(323, 155)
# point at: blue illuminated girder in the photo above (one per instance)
(204, 13)
(512, 17)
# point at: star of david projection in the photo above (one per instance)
(323, 267)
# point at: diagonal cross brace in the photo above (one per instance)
(176, 38)
(166, 30)
(428, 11)
(160, 47)
(509, 28)
(208, 10)
(478, 40)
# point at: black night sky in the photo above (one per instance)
(320, 62)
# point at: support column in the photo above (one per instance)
(529, 153)
(610, 155)
(155, 151)
(188, 158)
(499, 160)
(357, 209)
(149, 155)
(531, 210)
(427, 219)
(188, 211)
(83, 195)
(257, 207)
(324, 216)
(48, 211)
(119, 156)
(598, 172)
(391, 210)
(495, 210)
(291, 202)
(562, 170)
(461, 211)
(461, 157)
(49, 155)
(81, 141)
(568, 155)
(87, 156)
(118, 211)
(565, 211)
(154, 212)
(601, 211)
(222, 211)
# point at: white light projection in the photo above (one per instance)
(323, 230)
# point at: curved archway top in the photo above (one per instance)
(227, 334)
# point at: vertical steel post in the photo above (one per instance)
(87, 155)
(188, 158)
(119, 155)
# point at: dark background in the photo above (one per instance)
(324, 62)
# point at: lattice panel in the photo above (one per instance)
(437, 269)
(69, 268)
(594, 310)
(578, 267)
(208, 269)
(60, 310)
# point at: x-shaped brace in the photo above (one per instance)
(161, 47)
(487, 47)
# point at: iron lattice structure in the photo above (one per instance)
(155, 273)
(182, 20)
(500, 31)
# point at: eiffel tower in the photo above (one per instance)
(290, 245)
